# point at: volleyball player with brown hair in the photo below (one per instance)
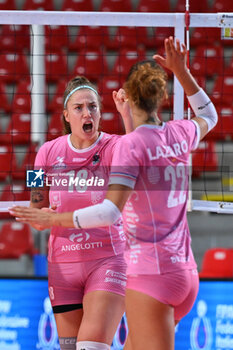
(149, 179)
(86, 268)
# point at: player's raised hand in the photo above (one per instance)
(122, 105)
(175, 56)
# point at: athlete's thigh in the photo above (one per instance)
(68, 323)
(102, 313)
(151, 323)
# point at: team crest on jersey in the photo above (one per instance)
(59, 164)
(96, 159)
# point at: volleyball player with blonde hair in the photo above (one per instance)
(149, 179)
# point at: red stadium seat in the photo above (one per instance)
(15, 240)
(208, 60)
(222, 6)
(91, 63)
(125, 60)
(56, 103)
(27, 163)
(14, 38)
(222, 91)
(4, 103)
(129, 38)
(7, 5)
(13, 67)
(6, 157)
(18, 131)
(106, 86)
(22, 97)
(46, 5)
(160, 34)
(116, 5)
(194, 6)
(80, 5)
(56, 66)
(224, 129)
(111, 122)
(16, 192)
(201, 36)
(56, 37)
(91, 37)
(55, 126)
(217, 263)
(204, 158)
(153, 6)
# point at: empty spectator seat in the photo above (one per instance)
(56, 66)
(19, 167)
(222, 91)
(56, 103)
(128, 38)
(195, 6)
(217, 263)
(22, 97)
(18, 131)
(16, 192)
(208, 60)
(91, 63)
(204, 158)
(106, 86)
(6, 157)
(116, 6)
(56, 37)
(222, 6)
(111, 122)
(80, 5)
(46, 5)
(55, 126)
(201, 36)
(14, 38)
(4, 103)
(13, 67)
(15, 240)
(153, 6)
(89, 37)
(124, 61)
(7, 5)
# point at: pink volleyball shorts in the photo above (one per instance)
(178, 289)
(69, 282)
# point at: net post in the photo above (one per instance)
(38, 124)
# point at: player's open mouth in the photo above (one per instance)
(87, 127)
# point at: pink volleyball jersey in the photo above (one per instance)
(153, 161)
(77, 179)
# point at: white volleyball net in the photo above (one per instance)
(41, 51)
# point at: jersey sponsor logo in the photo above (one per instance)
(166, 151)
(115, 277)
(80, 240)
(79, 237)
(35, 178)
(81, 246)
